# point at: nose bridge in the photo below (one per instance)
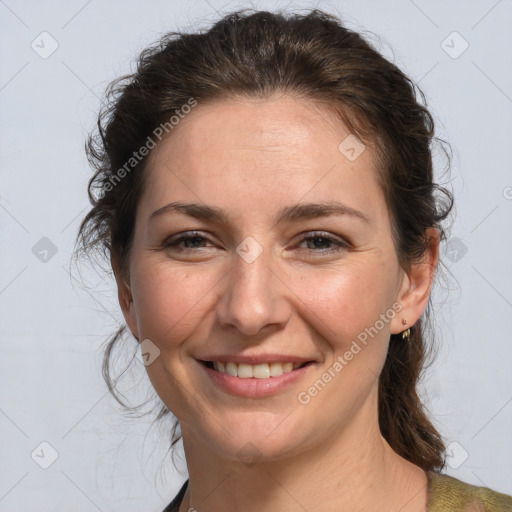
(253, 296)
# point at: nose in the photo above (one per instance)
(254, 296)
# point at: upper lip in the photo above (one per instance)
(255, 359)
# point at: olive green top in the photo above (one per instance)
(449, 494)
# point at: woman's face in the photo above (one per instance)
(266, 279)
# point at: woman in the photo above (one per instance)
(265, 193)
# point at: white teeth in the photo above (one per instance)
(244, 371)
(261, 371)
(258, 371)
(231, 369)
(276, 369)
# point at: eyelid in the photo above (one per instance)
(339, 243)
(325, 234)
(309, 233)
(178, 237)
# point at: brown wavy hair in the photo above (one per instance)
(312, 56)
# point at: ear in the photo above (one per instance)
(124, 295)
(417, 284)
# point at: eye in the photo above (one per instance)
(319, 243)
(190, 240)
(321, 239)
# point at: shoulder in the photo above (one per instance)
(449, 494)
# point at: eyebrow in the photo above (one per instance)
(292, 213)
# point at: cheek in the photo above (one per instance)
(345, 301)
(345, 308)
(168, 302)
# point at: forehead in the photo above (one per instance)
(276, 124)
(257, 152)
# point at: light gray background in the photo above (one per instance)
(52, 327)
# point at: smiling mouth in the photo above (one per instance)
(257, 371)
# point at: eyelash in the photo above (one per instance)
(339, 244)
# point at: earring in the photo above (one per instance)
(407, 332)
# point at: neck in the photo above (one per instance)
(355, 470)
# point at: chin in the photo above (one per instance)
(253, 437)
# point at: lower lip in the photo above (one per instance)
(252, 387)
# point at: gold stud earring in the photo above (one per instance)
(407, 332)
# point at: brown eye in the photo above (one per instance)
(189, 241)
(320, 240)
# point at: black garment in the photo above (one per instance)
(174, 506)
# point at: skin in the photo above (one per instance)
(251, 157)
